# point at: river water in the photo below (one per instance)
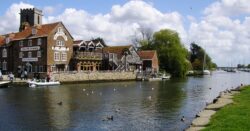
(133, 105)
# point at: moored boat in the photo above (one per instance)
(35, 83)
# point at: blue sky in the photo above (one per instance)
(214, 24)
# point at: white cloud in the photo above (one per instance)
(225, 37)
(10, 20)
(120, 24)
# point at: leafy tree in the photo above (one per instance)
(171, 53)
(198, 53)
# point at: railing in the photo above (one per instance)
(88, 56)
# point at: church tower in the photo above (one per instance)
(30, 17)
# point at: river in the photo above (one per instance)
(133, 105)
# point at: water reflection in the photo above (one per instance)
(134, 105)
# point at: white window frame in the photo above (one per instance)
(4, 53)
(21, 43)
(29, 42)
(56, 56)
(29, 54)
(39, 53)
(33, 31)
(39, 41)
(4, 65)
(20, 54)
(59, 29)
(60, 43)
(63, 56)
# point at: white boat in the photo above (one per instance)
(206, 72)
(42, 83)
(164, 76)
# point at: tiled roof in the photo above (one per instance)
(146, 54)
(116, 49)
(42, 30)
(77, 42)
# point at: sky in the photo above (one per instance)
(222, 27)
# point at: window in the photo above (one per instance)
(7, 40)
(20, 54)
(40, 68)
(39, 41)
(60, 29)
(60, 43)
(57, 56)
(30, 43)
(35, 68)
(21, 43)
(34, 31)
(39, 53)
(29, 54)
(64, 56)
(4, 65)
(4, 53)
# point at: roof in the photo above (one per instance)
(116, 49)
(147, 54)
(42, 30)
(77, 42)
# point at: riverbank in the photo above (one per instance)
(229, 111)
(84, 77)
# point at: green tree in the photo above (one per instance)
(171, 53)
(198, 53)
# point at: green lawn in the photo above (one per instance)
(233, 117)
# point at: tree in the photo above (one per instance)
(143, 38)
(198, 53)
(172, 54)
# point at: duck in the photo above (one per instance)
(60, 103)
(183, 119)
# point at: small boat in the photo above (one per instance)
(164, 76)
(4, 84)
(206, 72)
(35, 83)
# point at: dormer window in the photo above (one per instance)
(4, 53)
(30, 43)
(34, 31)
(20, 43)
(60, 29)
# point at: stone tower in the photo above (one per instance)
(31, 17)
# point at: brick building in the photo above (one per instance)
(150, 60)
(36, 47)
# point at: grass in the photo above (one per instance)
(233, 117)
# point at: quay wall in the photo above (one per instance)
(94, 76)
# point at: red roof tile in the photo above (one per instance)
(42, 30)
(116, 49)
(147, 54)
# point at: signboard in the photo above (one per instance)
(33, 48)
(29, 59)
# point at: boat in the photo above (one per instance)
(204, 71)
(164, 76)
(4, 84)
(35, 83)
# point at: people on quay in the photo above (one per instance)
(1, 75)
(11, 76)
(22, 75)
(25, 74)
(48, 77)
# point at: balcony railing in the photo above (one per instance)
(88, 56)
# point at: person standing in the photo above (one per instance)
(1, 76)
